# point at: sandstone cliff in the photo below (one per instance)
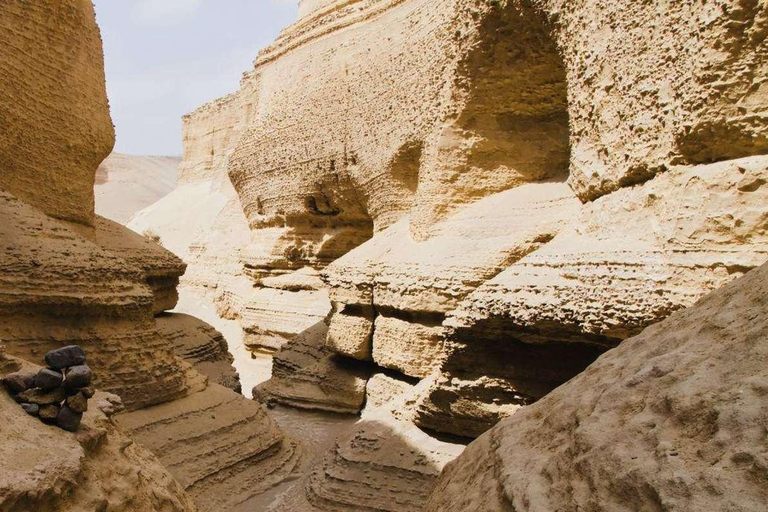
(465, 173)
(673, 419)
(72, 277)
(53, 110)
(493, 194)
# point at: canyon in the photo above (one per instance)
(431, 255)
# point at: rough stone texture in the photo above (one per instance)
(126, 184)
(47, 469)
(427, 156)
(200, 345)
(307, 374)
(632, 258)
(283, 307)
(222, 448)
(391, 293)
(162, 269)
(52, 97)
(488, 83)
(58, 289)
(382, 463)
(64, 357)
(676, 416)
(626, 261)
(381, 389)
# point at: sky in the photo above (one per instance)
(164, 58)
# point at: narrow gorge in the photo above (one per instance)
(431, 255)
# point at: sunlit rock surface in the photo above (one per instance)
(674, 415)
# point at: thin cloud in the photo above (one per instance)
(164, 12)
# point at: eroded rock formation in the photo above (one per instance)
(508, 214)
(493, 193)
(672, 419)
(486, 197)
(69, 277)
(46, 469)
(53, 98)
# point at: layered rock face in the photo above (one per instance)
(126, 184)
(53, 97)
(80, 279)
(493, 193)
(47, 469)
(527, 199)
(58, 288)
(675, 416)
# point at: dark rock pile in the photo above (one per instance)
(57, 394)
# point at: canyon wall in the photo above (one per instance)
(68, 276)
(525, 179)
(672, 419)
(53, 97)
(492, 194)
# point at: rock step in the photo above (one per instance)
(221, 447)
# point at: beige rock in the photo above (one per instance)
(628, 260)
(411, 284)
(126, 184)
(44, 468)
(202, 346)
(632, 258)
(466, 99)
(382, 464)
(162, 269)
(381, 389)
(675, 416)
(53, 106)
(272, 316)
(350, 331)
(409, 345)
(222, 448)
(307, 374)
(58, 288)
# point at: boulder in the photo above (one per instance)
(78, 377)
(64, 357)
(40, 397)
(48, 379)
(31, 409)
(17, 382)
(77, 403)
(68, 419)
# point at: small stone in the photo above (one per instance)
(78, 377)
(49, 413)
(40, 397)
(78, 403)
(17, 382)
(68, 419)
(31, 409)
(48, 379)
(88, 391)
(61, 358)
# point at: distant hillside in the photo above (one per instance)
(126, 184)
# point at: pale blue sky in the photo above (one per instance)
(166, 57)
